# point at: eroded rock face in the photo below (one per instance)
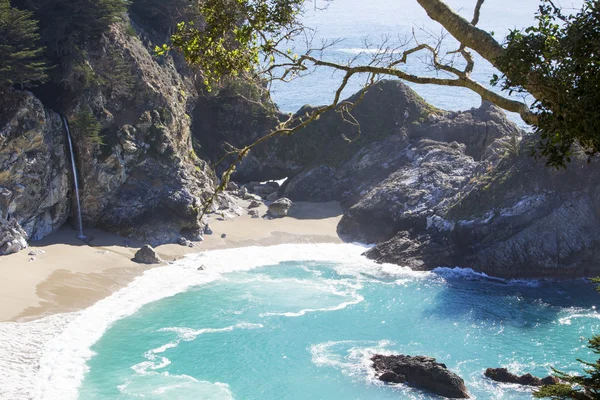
(34, 175)
(422, 372)
(518, 220)
(431, 173)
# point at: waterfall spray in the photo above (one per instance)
(80, 235)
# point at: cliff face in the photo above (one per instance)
(138, 173)
(34, 175)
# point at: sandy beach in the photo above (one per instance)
(68, 275)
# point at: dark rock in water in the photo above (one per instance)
(207, 230)
(502, 375)
(279, 208)
(147, 255)
(12, 237)
(422, 372)
(201, 268)
(253, 204)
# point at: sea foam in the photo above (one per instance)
(46, 359)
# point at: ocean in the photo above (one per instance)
(358, 22)
(301, 322)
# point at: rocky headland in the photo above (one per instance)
(427, 187)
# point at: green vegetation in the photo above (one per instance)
(235, 34)
(86, 126)
(21, 55)
(559, 58)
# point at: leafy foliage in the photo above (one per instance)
(578, 387)
(559, 58)
(234, 33)
(21, 55)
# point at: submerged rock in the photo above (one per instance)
(147, 255)
(279, 208)
(502, 375)
(422, 372)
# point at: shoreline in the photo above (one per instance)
(71, 276)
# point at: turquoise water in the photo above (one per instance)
(306, 329)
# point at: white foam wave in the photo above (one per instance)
(351, 357)
(470, 274)
(357, 299)
(578, 313)
(46, 359)
(189, 334)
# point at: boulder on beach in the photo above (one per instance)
(147, 255)
(422, 372)
(502, 375)
(253, 204)
(279, 208)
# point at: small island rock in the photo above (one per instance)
(422, 372)
(502, 375)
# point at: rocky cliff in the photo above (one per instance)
(434, 188)
(131, 126)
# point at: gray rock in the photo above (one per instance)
(253, 212)
(279, 208)
(422, 372)
(13, 238)
(34, 175)
(250, 196)
(254, 204)
(511, 222)
(232, 186)
(223, 236)
(184, 242)
(273, 196)
(36, 252)
(147, 255)
(207, 230)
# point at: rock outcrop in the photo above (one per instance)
(138, 173)
(12, 237)
(422, 372)
(502, 375)
(34, 174)
(520, 219)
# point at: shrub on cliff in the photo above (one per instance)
(21, 55)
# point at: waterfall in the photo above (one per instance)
(80, 235)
